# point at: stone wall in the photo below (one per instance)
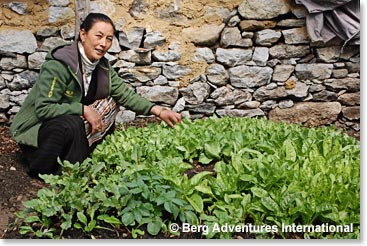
(240, 58)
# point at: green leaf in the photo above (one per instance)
(191, 217)
(179, 202)
(78, 226)
(269, 203)
(251, 151)
(267, 148)
(326, 146)
(212, 150)
(203, 159)
(197, 177)
(246, 200)
(25, 229)
(102, 216)
(290, 151)
(154, 227)
(65, 225)
(127, 219)
(227, 149)
(31, 203)
(203, 187)
(196, 202)
(97, 168)
(259, 192)
(184, 166)
(112, 220)
(167, 206)
(137, 215)
(136, 232)
(181, 148)
(32, 219)
(248, 178)
(91, 225)
(81, 217)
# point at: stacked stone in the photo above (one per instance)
(260, 62)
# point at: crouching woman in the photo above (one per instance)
(73, 104)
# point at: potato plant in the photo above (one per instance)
(264, 173)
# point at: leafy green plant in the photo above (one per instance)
(264, 173)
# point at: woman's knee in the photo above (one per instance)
(65, 126)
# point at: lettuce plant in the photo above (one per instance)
(256, 172)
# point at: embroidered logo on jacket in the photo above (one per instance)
(69, 93)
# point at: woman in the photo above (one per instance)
(59, 115)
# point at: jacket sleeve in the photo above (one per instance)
(51, 86)
(126, 97)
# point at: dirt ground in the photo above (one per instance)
(15, 185)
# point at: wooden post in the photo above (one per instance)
(82, 9)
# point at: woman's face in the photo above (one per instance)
(97, 40)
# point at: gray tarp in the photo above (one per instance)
(327, 19)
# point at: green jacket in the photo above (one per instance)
(58, 91)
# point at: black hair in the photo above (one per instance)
(92, 18)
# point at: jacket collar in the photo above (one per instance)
(66, 54)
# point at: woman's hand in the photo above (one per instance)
(167, 115)
(94, 119)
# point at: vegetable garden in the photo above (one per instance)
(224, 173)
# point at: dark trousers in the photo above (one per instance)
(63, 137)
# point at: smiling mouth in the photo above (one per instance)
(99, 51)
